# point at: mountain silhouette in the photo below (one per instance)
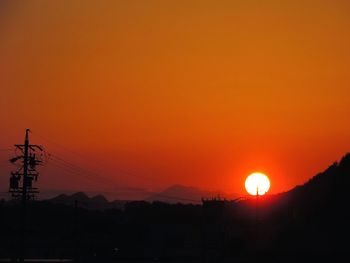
(98, 202)
(309, 219)
(174, 194)
(306, 224)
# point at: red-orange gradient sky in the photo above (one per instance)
(198, 93)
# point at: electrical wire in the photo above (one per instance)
(5, 149)
(79, 170)
(76, 170)
(73, 171)
(82, 157)
(70, 171)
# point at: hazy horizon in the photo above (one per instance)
(148, 94)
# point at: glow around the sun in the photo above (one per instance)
(257, 184)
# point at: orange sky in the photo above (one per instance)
(198, 93)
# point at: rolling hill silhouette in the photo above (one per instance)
(306, 224)
(309, 219)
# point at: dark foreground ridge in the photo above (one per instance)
(306, 224)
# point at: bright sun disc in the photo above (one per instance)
(257, 183)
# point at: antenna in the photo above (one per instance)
(257, 205)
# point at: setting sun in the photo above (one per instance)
(257, 183)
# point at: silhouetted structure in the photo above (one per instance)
(26, 173)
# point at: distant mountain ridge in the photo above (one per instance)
(173, 194)
(331, 184)
(308, 223)
(98, 202)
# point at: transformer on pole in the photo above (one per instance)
(21, 180)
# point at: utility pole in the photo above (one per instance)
(27, 173)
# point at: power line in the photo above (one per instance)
(77, 173)
(71, 170)
(175, 198)
(80, 170)
(77, 170)
(5, 149)
(82, 157)
(58, 144)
